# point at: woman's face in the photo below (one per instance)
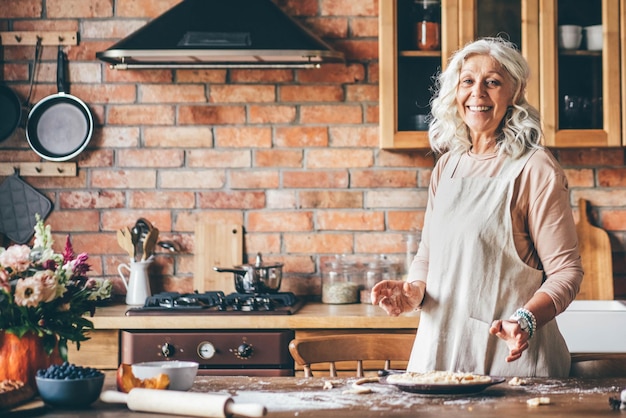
(484, 93)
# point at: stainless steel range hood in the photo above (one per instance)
(221, 34)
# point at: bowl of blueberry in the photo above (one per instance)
(69, 385)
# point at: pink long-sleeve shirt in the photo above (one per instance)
(543, 225)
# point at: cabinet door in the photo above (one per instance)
(580, 97)
(515, 20)
(406, 73)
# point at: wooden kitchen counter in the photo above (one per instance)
(302, 397)
(313, 315)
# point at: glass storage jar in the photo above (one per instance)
(341, 281)
(427, 25)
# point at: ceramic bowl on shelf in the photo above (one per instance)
(181, 373)
(593, 36)
(570, 36)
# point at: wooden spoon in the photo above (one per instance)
(125, 241)
(150, 242)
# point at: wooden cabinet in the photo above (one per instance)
(591, 79)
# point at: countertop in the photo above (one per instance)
(313, 315)
(305, 397)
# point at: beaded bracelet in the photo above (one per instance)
(530, 319)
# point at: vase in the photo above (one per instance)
(20, 358)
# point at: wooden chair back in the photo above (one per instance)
(350, 347)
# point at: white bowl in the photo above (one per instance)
(570, 36)
(181, 373)
(593, 34)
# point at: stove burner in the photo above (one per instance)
(218, 302)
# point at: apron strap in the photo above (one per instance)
(513, 167)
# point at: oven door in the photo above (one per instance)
(226, 353)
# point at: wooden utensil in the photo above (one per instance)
(595, 252)
(149, 243)
(125, 240)
(216, 245)
(176, 402)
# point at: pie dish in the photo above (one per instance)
(440, 383)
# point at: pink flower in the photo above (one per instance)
(4, 280)
(16, 257)
(49, 284)
(28, 292)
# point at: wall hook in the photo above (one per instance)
(18, 38)
(38, 169)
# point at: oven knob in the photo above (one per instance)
(206, 350)
(168, 350)
(244, 351)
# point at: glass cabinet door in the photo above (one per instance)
(515, 20)
(415, 39)
(580, 68)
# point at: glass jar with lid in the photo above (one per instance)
(427, 24)
(341, 281)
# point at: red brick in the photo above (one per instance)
(114, 220)
(242, 93)
(406, 159)
(262, 242)
(364, 27)
(580, 177)
(277, 158)
(349, 7)
(105, 93)
(317, 243)
(21, 9)
(351, 221)
(218, 158)
(373, 72)
(261, 76)
(311, 94)
(405, 220)
(362, 93)
(254, 179)
(271, 114)
(331, 114)
(139, 115)
(107, 199)
(150, 158)
(328, 27)
(124, 179)
(301, 136)
(178, 136)
(591, 156)
(339, 158)
(354, 136)
(599, 196)
(187, 179)
(331, 199)
(161, 199)
(79, 8)
(243, 137)
(608, 177)
(370, 179)
(358, 49)
(73, 221)
(143, 77)
(333, 73)
(143, 8)
(317, 180)
(211, 115)
(231, 200)
(201, 76)
(613, 220)
(281, 199)
(172, 93)
(43, 24)
(298, 7)
(95, 158)
(379, 243)
(280, 221)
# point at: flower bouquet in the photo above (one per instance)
(46, 293)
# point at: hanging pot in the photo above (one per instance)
(11, 111)
(60, 126)
(257, 277)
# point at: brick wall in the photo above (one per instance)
(292, 155)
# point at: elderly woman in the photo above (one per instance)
(499, 254)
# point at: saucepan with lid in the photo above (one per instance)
(257, 277)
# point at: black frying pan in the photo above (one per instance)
(60, 126)
(10, 111)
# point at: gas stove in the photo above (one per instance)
(216, 302)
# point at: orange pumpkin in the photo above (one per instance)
(20, 358)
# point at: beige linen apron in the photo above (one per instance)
(475, 277)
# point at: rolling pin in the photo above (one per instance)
(193, 404)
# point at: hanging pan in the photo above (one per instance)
(59, 126)
(10, 111)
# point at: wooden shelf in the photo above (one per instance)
(32, 37)
(42, 169)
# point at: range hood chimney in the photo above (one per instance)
(221, 34)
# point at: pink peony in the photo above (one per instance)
(16, 257)
(28, 292)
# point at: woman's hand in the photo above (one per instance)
(398, 296)
(512, 334)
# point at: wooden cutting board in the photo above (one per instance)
(595, 252)
(216, 245)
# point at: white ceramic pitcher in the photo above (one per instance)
(138, 282)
